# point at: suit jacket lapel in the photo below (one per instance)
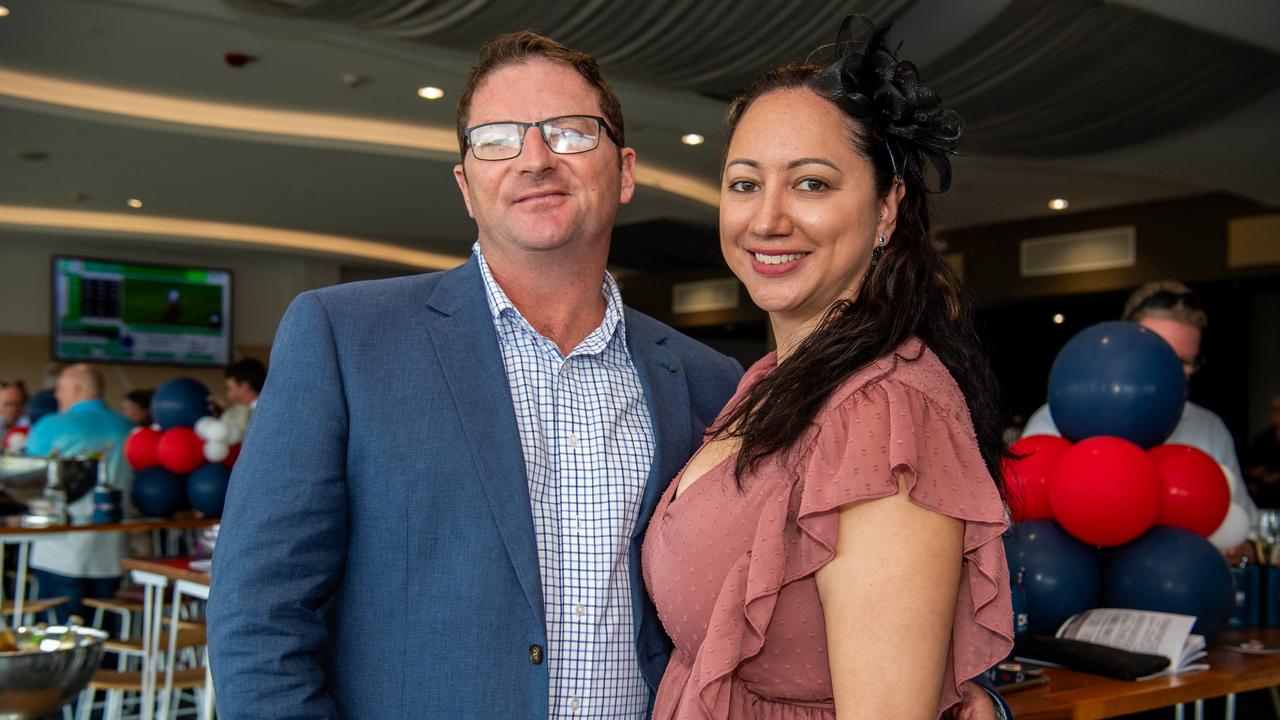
(667, 393)
(467, 347)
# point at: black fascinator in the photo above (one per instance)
(868, 81)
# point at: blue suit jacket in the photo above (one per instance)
(377, 555)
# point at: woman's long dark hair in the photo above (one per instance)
(910, 290)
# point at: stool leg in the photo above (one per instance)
(86, 703)
(1230, 713)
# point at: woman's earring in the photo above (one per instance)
(877, 251)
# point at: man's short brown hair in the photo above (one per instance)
(523, 46)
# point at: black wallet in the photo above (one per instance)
(1089, 657)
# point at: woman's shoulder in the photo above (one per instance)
(911, 367)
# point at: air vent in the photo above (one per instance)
(1079, 252)
(704, 296)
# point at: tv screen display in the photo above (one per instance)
(108, 311)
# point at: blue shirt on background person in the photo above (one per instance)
(84, 564)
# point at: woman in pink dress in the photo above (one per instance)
(834, 549)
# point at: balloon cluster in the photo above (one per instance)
(185, 459)
(1162, 512)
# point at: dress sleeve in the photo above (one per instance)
(861, 444)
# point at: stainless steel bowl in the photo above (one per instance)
(24, 478)
(35, 684)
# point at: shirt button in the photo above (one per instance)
(573, 439)
(579, 610)
(535, 654)
(574, 704)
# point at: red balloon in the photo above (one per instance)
(1104, 491)
(232, 453)
(1194, 494)
(140, 448)
(15, 438)
(1026, 479)
(180, 450)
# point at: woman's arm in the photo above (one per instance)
(889, 599)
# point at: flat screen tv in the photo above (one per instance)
(122, 312)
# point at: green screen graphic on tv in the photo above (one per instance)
(106, 311)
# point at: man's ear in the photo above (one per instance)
(460, 174)
(627, 159)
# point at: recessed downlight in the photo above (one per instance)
(4, 11)
(692, 139)
(1059, 318)
(1059, 204)
(134, 203)
(430, 92)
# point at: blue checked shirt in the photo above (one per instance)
(588, 444)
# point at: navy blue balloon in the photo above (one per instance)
(179, 403)
(207, 488)
(157, 492)
(1061, 576)
(1173, 570)
(41, 404)
(1118, 379)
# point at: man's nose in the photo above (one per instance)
(535, 155)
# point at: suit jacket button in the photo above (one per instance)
(673, 368)
(535, 654)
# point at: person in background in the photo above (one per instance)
(80, 565)
(1171, 310)
(244, 381)
(13, 405)
(136, 405)
(1263, 468)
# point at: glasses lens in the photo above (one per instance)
(497, 141)
(572, 134)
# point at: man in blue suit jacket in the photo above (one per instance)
(439, 507)
(381, 555)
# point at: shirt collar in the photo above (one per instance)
(614, 324)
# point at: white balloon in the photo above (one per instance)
(215, 451)
(215, 431)
(1233, 482)
(203, 424)
(1233, 530)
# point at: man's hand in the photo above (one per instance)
(975, 704)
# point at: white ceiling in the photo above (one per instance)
(397, 193)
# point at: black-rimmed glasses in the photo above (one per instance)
(564, 135)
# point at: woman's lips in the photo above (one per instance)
(773, 264)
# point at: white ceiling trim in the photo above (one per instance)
(31, 91)
(221, 233)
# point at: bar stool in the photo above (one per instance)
(116, 683)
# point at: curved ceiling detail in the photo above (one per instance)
(712, 46)
(1040, 79)
(223, 233)
(31, 90)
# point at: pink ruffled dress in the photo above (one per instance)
(732, 572)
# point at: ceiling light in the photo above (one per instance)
(4, 11)
(1058, 318)
(429, 92)
(692, 139)
(134, 203)
(1059, 204)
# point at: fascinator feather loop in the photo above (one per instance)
(868, 81)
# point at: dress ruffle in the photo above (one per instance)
(905, 419)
